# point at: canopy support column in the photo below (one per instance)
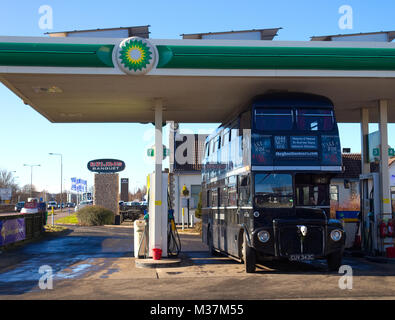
(158, 205)
(385, 197)
(158, 149)
(365, 166)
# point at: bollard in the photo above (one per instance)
(182, 219)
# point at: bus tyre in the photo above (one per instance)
(249, 256)
(334, 260)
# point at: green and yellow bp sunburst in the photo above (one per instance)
(135, 55)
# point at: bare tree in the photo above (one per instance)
(7, 179)
(139, 194)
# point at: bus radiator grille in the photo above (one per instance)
(290, 241)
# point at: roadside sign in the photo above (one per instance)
(376, 152)
(106, 165)
(151, 152)
(5, 193)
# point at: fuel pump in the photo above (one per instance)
(160, 230)
(370, 211)
(390, 228)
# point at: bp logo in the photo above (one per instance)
(136, 55)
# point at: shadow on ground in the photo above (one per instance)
(63, 254)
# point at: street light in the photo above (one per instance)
(61, 177)
(31, 175)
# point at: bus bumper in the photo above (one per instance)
(299, 239)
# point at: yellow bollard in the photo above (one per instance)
(182, 218)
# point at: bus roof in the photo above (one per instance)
(292, 99)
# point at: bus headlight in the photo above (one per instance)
(263, 236)
(336, 234)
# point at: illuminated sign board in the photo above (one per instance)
(106, 165)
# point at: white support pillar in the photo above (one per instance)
(158, 149)
(365, 166)
(158, 207)
(385, 197)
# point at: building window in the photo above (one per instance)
(195, 190)
(334, 193)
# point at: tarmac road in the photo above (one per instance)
(98, 263)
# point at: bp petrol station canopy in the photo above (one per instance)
(81, 79)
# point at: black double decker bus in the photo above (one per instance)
(266, 178)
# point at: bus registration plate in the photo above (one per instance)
(300, 257)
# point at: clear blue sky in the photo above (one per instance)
(27, 137)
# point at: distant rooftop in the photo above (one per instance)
(253, 34)
(121, 32)
(382, 36)
(352, 166)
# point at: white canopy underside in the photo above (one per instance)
(199, 99)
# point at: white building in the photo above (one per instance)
(186, 154)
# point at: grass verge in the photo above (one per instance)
(71, 219)
(53, 229)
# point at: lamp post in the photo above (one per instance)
(61, 178)
(16, 188)
(31, 175)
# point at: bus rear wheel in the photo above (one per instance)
(249, 256)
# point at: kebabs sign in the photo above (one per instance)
(106, 165)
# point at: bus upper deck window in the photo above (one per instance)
(314, 119)
(273, 119)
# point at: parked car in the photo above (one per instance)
(70, 204)
(122, 205)
(19, 206)
(52, 204)
(83, 204)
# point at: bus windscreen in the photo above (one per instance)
(273, 190)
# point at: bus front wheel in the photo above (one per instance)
(334, 260)
(249, 256)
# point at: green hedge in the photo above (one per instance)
(95, 216)
(198, 210)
